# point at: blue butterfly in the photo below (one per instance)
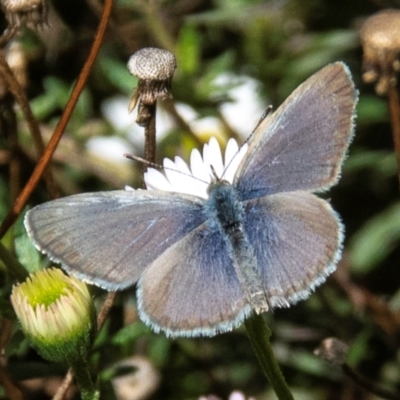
(202, 265)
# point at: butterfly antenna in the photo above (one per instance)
(214, 176)
(263, 116)
(161, 167)
(143, 161)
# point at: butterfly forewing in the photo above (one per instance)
(108, 238)
(301, 146)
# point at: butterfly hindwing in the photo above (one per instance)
(301, 146)
(108, 238)
(296, 238)
(192, 289)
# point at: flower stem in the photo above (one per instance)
(14, 267)
(150, 134)
(259, 335)
(84, 380)
(394, 109)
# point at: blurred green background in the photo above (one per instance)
(234, 58)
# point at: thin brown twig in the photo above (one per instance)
(380, 312)
(53, 144)
(154, 20)
(105, 309)
(371, 387)
(15, 160)
(147, 118)
(169, 106)
(394, 110)
(150, 135)
(65, 385)
(14, 170)
(56, 137)
(10, 389)
(7, 35)
(19, 95)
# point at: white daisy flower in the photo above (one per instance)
(179, 178)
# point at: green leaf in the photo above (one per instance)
(55, 98)
(159, 349)
(359, 347)
(382, 163)
(207, 86)
(371, 110)
(130, 333)
(188, 50)
(27, 254)
(117, 74)
(375, 240)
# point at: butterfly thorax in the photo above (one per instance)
(223, 205)
(225, 213)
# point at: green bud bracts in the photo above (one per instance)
(56, 313)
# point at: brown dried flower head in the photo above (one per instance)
(155, 69)
(16, 60)
(333, 351)
(380, 37)
(33, 12)
(140, 380)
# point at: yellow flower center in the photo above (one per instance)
(45, 288)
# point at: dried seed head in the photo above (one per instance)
(333, 351)
(16, 60)
(152, 64)
(33, 12)
(140, 380)
(380, 37)
(154, 68)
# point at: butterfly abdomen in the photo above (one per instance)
(225, 213)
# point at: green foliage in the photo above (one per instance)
(188, 50)
(374, 242)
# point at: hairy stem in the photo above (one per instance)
(259, 335)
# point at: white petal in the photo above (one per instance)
(173, 176)
(155, 180)
(179, 178)
(200, 173)
(187, 181)
(177, 175)
(197, 166)
(236, 395)
(234, 164)
(181, 165)
(205, 157)
(215, 157)
(207, 162)
(230, 151)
